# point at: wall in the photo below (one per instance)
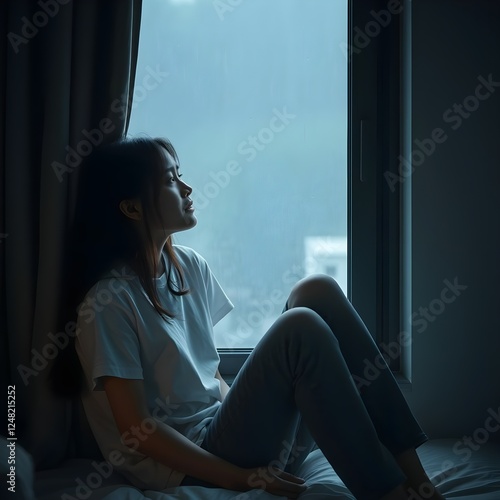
(456, 212)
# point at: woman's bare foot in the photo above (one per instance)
(418, 485)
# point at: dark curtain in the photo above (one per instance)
(67, 73)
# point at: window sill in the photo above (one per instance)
(232, 361)
(404, 384)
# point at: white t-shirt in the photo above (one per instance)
(122, 335)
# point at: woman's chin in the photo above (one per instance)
(194, 220)
(191, 222)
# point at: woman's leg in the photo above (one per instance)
(392, 418)
(417, 483)
(302, 444)
(298, 369)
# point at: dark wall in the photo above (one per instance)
(456, 212)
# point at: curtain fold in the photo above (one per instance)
(66, 83)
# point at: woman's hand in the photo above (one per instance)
(274, 481)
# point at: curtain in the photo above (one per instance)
(66, 82)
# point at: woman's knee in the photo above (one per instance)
(315, 292)
(304, 323)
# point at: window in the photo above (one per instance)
(286, 116)
(254, 98)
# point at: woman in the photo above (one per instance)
(157, 404)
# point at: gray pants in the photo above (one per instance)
(296, 390)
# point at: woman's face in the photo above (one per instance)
(175, 206)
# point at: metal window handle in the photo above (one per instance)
(361, 148)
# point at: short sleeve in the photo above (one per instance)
(220, 305)
(218, 302)
(107, 342)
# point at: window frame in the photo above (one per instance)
(375, 219)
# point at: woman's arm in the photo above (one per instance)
(224, 388)
(165, 445)
(169, 447)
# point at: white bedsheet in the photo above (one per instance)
(476, 478)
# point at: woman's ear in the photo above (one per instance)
(131, 208)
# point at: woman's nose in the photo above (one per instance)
(187, 189)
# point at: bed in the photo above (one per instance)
(462, 473)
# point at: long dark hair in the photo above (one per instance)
(126, 169)
(102, 237)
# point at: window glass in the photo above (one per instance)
(253, 95)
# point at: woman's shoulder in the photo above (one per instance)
(188, 255)
(193, 264)
(116, 282)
